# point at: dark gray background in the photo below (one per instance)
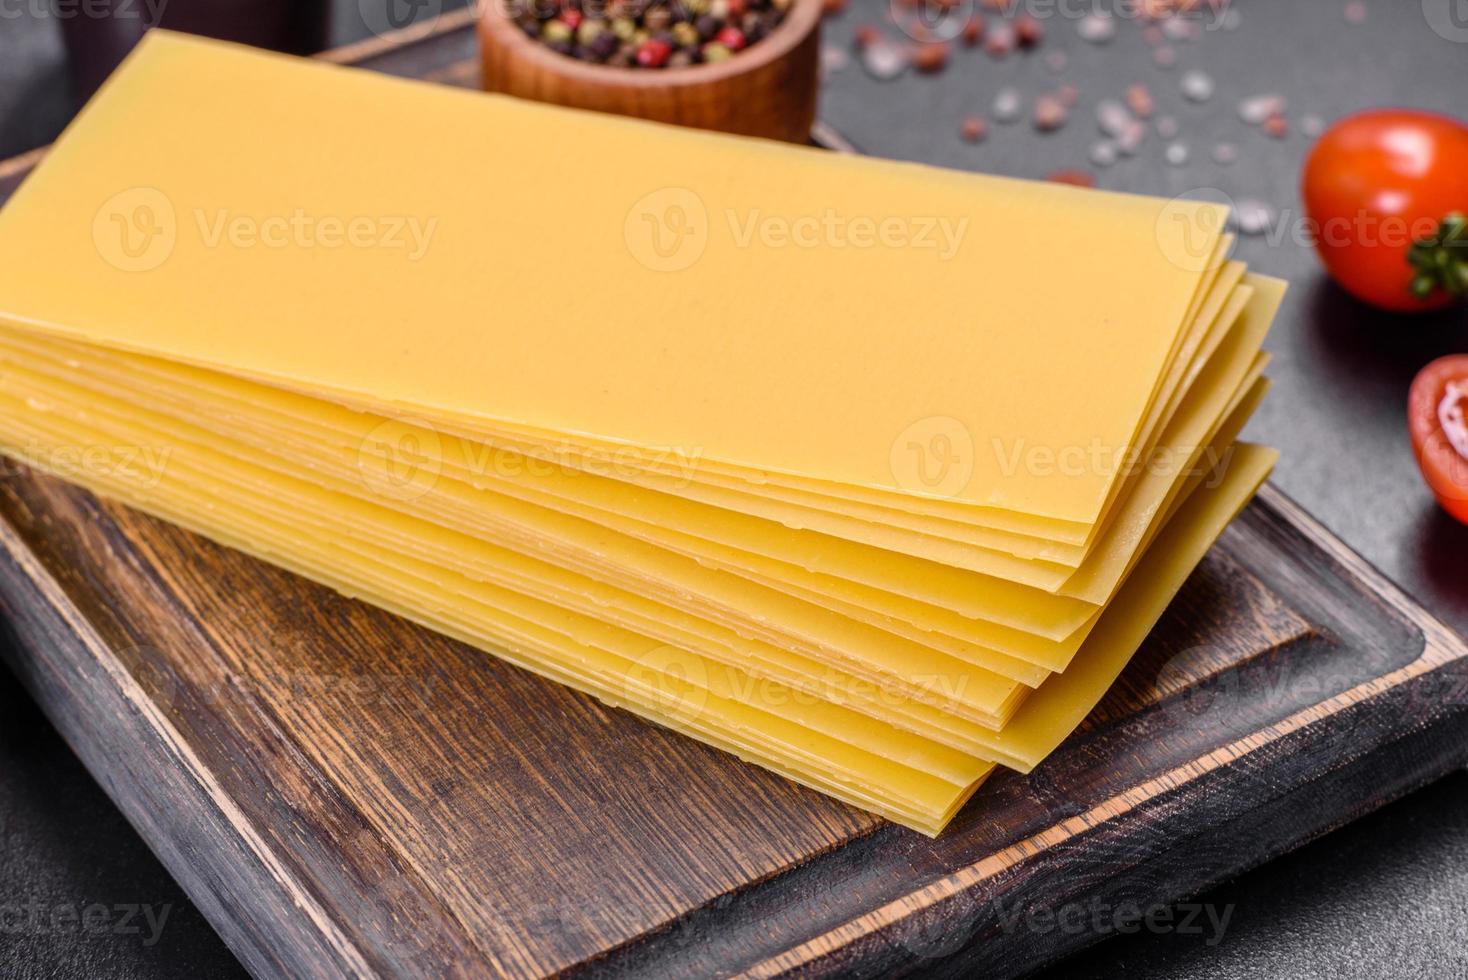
(1383, 897)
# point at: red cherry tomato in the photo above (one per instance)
(1437, 415)
(1378, 187)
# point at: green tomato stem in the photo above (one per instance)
(1440, 261)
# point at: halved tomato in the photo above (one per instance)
(1437, 415)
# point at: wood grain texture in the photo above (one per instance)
(412, 770)
(342, 793)
(770, 89)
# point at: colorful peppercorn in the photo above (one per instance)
(652, 33)
(973, 129)
(731, 38)
(654, 53)
(555, 31)
(1028, 32)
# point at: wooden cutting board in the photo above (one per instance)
(343, 793)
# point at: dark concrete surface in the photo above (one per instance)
(1384, 897)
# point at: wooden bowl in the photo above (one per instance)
(769, 89)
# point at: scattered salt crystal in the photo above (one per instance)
(1050, 113)
(1312, 125)
(1007, 105)
(1097, 28)
(1180, 29)
(1056, 61)
(1131, 138)
(1355, 12)
(1164, 57)
(833, 59)
(884, 60)
(1256, 109)
(999, 40)
(1112, 117)
(1166, 127)
(1196, 86)
(1103, 153)
(1251, 217)
(1177, 154)
(1225, 153)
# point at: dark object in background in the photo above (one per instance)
(101, 32)
(769, 90)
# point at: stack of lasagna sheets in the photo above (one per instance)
(872, 474)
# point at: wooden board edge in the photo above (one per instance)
(159, 766)
(1442, 644)
(16, 165)
(393, 41)
(1441, 647)
(1202, 834)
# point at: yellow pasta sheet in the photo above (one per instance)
(225, 266)
(905, 778)
(983, 612)
(28, 431)
(964, 535)
(240, 418)
(338, 516)
(883, 664)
